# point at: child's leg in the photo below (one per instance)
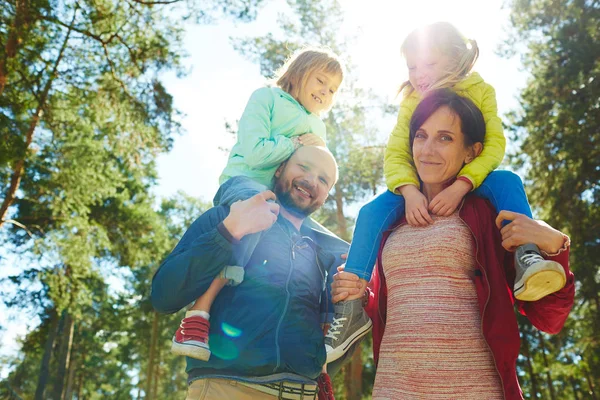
(204, 302)
(504, 189)
(350, 322)
(535, 277)
(191, 338)
(374, 218)
(235, 189)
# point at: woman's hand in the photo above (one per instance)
(345, 284)
(415, 206)
(524, 230)
(447, 200)
(310, 139)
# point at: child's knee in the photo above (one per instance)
(368, 211)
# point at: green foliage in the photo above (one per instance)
(557, 129)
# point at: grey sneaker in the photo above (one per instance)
(536, 277)
(234, 273)
(350, 323)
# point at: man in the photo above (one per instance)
(266, 334)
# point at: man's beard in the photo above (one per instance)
(285, 199)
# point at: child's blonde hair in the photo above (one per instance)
(292, 75)
(445, 38)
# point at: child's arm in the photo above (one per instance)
(472, 175)
(494, 143)
(259, 149)
(399, 170)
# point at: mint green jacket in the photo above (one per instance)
(271, 118)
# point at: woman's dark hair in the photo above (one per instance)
(472, 123)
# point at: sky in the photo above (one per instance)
(220, 82)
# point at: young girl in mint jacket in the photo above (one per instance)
(276, 121)
(438, 56)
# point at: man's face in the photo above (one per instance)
(303, 182)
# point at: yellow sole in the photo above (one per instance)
(541, 284)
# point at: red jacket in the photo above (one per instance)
(493, 281)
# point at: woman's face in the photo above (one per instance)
(439, 149)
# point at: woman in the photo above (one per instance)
(440, 298)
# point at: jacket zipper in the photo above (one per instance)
(287, 302)
(486, 301)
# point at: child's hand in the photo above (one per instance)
(447, 200)
(416, 206)
(310, 139)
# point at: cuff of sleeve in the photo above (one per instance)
(465, 179)
(225, 233)
(468, 180)
(565, 247)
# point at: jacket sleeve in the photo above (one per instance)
(189, 270)
(398, 165)
(494, 143)
(550, 313)
(259, 149)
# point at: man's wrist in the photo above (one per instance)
(556, 250)
(232, 228)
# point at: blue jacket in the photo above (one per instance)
(270, 323)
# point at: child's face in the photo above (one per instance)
(318, 91)
(425, 68)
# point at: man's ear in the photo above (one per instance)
(279, 169)
(474, 151)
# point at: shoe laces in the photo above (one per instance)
(335, 327)
(531, 258)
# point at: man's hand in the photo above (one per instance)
(415, 206)
(310, 139)
(253, 215)
(345, 284)
(447, 200)
(524, 230)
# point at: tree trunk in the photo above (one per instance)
(151, 356)
(341, 219)
(19, 166)
(590, 382)
(353, 377)
(532, 376)
(157, 372)
(548, 374)
(16, 29)
(575, 390)
(80, 385)
(64, 355)
(70, 379)
(45, 366)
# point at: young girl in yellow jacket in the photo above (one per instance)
(438, 56)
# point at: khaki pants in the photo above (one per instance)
(223, 389)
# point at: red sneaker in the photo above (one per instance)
(325, 388)
(191, 338)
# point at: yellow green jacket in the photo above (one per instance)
(399, 167)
